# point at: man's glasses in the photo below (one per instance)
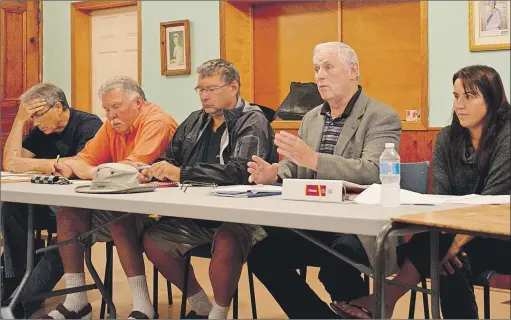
(200, 90)
(188, 183)
(38, 116)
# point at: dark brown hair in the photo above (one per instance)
(487, 81)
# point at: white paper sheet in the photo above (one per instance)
(372, 196)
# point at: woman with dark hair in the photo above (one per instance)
(471, 156)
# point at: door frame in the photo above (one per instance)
(81, 51)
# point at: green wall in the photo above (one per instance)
(448, 51)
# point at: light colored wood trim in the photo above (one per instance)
(435, 128)
(339, 20)
(81, 51)
(252, 74)
(413, 126)
(41, 41)
(139, 42)
(81, 82)
(221, 8)
(100, 5)
(424, 73)
(285, 125)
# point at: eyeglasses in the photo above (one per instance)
(38, 116)
(200, 90)
(188, 183)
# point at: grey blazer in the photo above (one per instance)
(357, 153)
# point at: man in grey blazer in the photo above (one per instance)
(342, 139)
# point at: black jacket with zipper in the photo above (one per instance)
(248, 132)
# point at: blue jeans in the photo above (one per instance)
(49, 270)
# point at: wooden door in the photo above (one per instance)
(20, 56)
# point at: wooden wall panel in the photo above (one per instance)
(388, 37)
(236, 42)
(20, 61)
(284, 36)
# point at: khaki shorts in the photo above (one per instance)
(176, 236)
(101, 217)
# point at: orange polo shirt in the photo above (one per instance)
(146, 140)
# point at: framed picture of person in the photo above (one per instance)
(489, 25)
(175, 47)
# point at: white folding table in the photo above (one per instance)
(196, 203)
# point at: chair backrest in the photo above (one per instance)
(415, 177)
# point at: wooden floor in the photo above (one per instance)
(267, 308)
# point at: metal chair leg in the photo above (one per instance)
(108, 277)
(303, 272)
(185, 287)
(169, 293)
(155, 289)
(235, 305)
(487, 301)
(111, 307)
(425, 301)
(411, 310)
(252, 292)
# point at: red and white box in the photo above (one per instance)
(313, 190)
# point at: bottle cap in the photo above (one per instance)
(389, 145)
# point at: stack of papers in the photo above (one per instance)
(247, 191)
(372, 196)
(16, 177)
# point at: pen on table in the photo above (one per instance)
(144, 167)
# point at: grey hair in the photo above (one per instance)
(47, 91)
(345, 53)
(126, 84)
(220, 67)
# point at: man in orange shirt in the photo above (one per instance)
(136, 131)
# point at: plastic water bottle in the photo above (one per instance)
(390, 176)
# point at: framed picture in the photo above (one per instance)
(489, 25)
(175, 47)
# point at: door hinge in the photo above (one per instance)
(38, 16)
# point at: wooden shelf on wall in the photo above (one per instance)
(271, 43)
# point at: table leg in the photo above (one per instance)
(99, 284)
(435, 278)
(379, 274)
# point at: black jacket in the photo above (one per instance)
(247, 133)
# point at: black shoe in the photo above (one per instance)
(193, 315)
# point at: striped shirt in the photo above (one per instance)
(333, 127)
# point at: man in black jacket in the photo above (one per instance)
(212, 145)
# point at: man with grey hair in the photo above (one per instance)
(136, 131)
(58, 130)
(212, 145)
(342, 139)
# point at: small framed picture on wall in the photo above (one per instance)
(489, 25)
(175, 47)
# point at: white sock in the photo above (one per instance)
(200, 303)
(218, 312)
(140, 294)
(74, 301)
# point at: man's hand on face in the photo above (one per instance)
(261, 172)
(30, 108)
(295, 149)
(164, 171)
